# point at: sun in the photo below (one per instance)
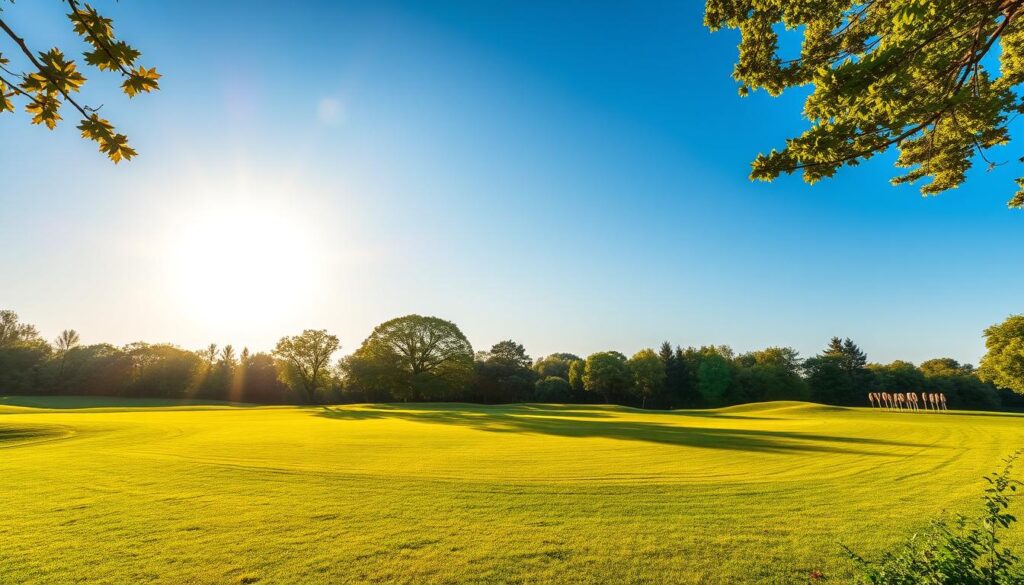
(236, 264)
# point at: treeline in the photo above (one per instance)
(416, 358)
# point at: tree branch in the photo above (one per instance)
(42, 70)
(95, 37)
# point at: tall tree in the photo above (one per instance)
(673, 389)
(607, 374)
(839, 375)
(648, 372)
(209, 354)
(1003, 363)
(413, 358)
(45, 80)
(305, 359)
(65, 342)
(914, 75)
(683, 385)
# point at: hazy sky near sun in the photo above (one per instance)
(573, 178)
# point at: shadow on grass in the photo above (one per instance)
(581, 422)
(71, 402)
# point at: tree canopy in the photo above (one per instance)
(47, 80)
(1003, 363)
(307, 358)
(606, 374)
(648, 374)
(414, 357)
(936, 79)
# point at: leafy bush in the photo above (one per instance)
(961, 551)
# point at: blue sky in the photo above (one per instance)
(573, 178)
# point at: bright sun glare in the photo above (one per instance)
(231, 266)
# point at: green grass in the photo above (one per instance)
(456, 493)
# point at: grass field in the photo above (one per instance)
(457, 493)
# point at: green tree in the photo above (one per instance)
(14, 333)
(413, 358)
(23, 353)
(503, 374)
(684, 384)
(305, 358)
(648, 374)
(909, 74)
(65, 342)
(770, 374)
(944, 367)
(556, 364)
(839, 374)
(674, 392)
(1003, 363)
(607, 374)
(552, 389)
(45, 80)
(577, 371)
(713, 378)
(160, 370)
(510, 353)
(899, 376)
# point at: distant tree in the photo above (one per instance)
(553, 389)
(305, 359)
(577, 372)
(556, 364)
(960, 383)
(509, 352)
(828, 382)
(259, 380)
(227, 355)
(713, 378)
(607, 374)
(13, 332)
(648, 373)
(769, 374)
(898, 376)
(937, 80)
(503, 374)
(684, 383)
(65, 342)
(944, 367)
(45, 80)
(839, 374)
(209, 354)
(851, 358)
(100, 370)
(674, 391)
(1003, 363)
(23, 353)
(413, 358)
(160, 370)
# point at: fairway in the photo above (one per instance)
(445, 493)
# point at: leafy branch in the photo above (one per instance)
(48, 79)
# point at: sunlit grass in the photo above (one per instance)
(458, 493)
